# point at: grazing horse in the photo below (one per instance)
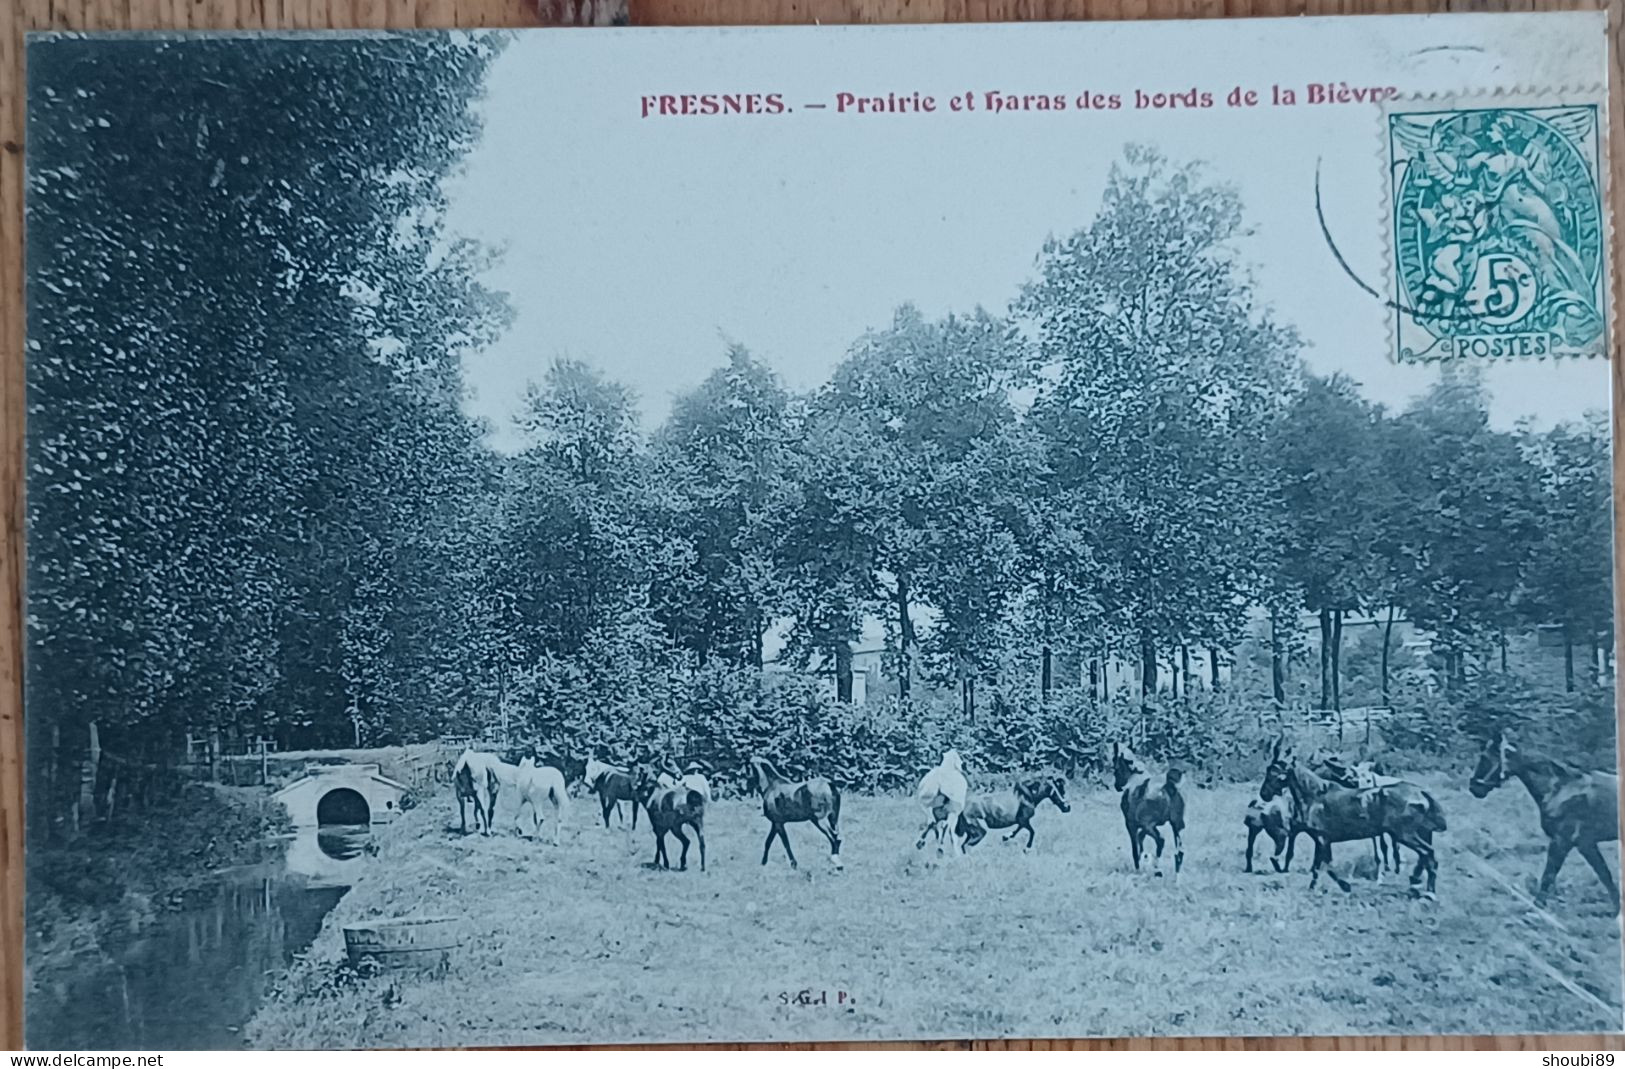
(944, 791)
(478, 777)
(1331, 814)
(1145, 807)
(786, 801)
(1014, 810)
(536, 784)
(669, 808)
(613, 786)
(1578, 809)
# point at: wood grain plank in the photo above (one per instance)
(24, 15)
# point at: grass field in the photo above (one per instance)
(584, 943)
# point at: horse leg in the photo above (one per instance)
(1156, 862)
(1594, 856)
(1282, 864)
(926, 831)
(1252, 834)
(682, 859)
(771, 832)
(1030, 835)
(1344, 884)
(784, 837)
(1555, 855)
(660, 848)
(1134, 845)
(1179, 847)
(700, 835)
(607, 804)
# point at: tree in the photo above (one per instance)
(1166, 380)
(235, 262)
(1329, 452)
(1568, 579)
(1474, 522)
(725, 452)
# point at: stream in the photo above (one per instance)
(194, 977)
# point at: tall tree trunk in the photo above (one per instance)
(1277, 660)
(1046, 674)
(1568, 662)
(843, 671)
(1185, 668)
(1095, 686)
(1148, 666)
(1337, 659)
(1502, 642)
(758, 643)
(87, 791)
(905, 638)
(1387, 644)
(1596, 663)
(1213, 667)
(1325, 658)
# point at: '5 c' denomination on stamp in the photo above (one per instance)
(1496, 227)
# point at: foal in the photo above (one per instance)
(1578, 809)
(786, 801)
(1145, 807)
(1014, 810)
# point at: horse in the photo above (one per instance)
(1014, 810)
(1275, 817)
(536, 784)
(944, 789)
(1578, 809)
(613, 786)
(669, 808)
(786, 801)
(478, 777)
(1145, 807)
(1332, 814)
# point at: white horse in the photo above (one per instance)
(537, 784)
(478, 777)
(942, 792)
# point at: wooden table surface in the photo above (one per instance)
(22, 16)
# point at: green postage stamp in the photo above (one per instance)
(1496, 227)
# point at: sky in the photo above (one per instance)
(644, 246)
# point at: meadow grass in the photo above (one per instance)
(584, 943)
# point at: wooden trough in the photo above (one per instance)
(404, 942)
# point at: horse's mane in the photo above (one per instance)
(1551, 766)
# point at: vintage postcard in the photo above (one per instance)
(544, 538)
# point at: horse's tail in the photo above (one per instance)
(1434, 815)
(696, 801)
(462, 778)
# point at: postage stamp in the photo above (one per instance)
(1497, 237)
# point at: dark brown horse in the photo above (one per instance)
(1578, 809)
(1013, 810)
(1331, 814)
(669, 809)
(1147, 804)
(612, 786)
(1274, 817)
(787, 801)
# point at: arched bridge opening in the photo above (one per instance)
(343, 805)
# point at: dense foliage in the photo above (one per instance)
(258, 509)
